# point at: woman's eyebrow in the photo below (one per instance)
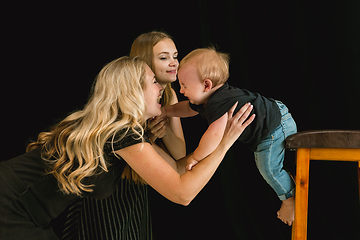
(164, 53)
(167, 53)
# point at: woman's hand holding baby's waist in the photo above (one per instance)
(236, 124)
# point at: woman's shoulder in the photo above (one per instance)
(125, 138)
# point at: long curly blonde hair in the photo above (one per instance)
(74, 148)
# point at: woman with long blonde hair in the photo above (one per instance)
(85, 154)
(85, 219)
(75, 159)
(158, 50)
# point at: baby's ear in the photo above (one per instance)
(207, 85)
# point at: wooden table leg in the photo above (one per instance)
(301, 194)
(359, 177)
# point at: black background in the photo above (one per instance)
(304, 53)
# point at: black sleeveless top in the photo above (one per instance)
(30, 197)
(124, 215)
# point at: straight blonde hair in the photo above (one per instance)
(143, 47)
(73, 149)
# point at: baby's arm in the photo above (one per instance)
(209, 141)
(180, 109)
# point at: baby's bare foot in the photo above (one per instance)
(287, 211)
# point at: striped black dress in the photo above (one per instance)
(124, 215)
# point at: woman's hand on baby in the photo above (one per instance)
(237, 123)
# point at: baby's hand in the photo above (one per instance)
(190, 163)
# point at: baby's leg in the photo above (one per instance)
(269, 159)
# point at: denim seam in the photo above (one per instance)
(268, 163)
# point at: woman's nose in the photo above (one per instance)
(174, 63)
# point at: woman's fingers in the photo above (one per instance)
(242, 118)
(162, 131)
(232, 109)
(243, 111)
(237, 123)
(247, 123)
(155, 121)
(158, 126)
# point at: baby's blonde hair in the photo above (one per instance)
(211, 64)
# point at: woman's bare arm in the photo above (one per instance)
(174, 138)
(182, 188)
(171, 132)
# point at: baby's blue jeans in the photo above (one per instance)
(270, 153)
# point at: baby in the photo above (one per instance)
(202, 76)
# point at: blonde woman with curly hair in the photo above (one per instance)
(85, 220)
(91, 217)
(84, 155)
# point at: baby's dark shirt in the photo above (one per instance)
(268, 115)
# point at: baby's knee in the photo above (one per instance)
(266, 173)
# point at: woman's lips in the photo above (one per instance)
(171, 71)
